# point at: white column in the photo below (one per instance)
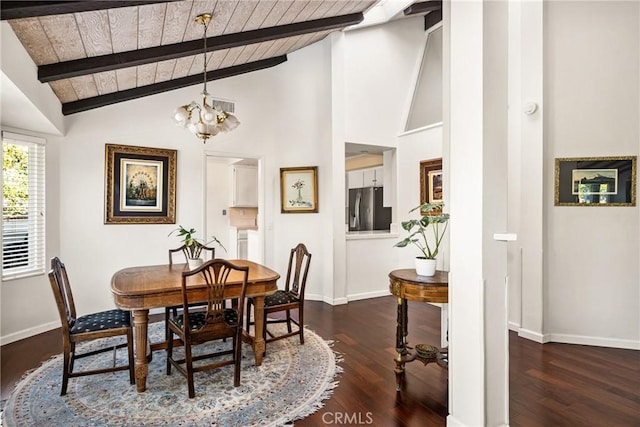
(532, 169)
(477, 105)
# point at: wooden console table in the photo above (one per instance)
(407, 285)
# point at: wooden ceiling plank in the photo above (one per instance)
(293, 11)
(35, 40)
(307, 11)
(183, 65)
(139, 92)
(240, 16)
(126, 78)
(26, 9)
(62, 31)
(280, 9)
(160, 53)
(260, 51)
(84, 86)
(422, 7)
(123, 24)
(146, 74)
(176, 19)
(95, 33)
(193, 30)
(106, 82)
(221, 17)
(247, 52)
(259, 14)
(150, 24)
(214, 60)
(64, 91)
(231, 57)
(164, 71)
(324, 9)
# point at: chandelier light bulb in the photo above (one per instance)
(208, 114)
(181, 115)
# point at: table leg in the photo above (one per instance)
(401, 333)
(258, 340)
(140, 324)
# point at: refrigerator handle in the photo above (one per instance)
(356, 211)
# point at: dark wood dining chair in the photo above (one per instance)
(183, 249)
(289, 298)
(89, 327)
(215, 323)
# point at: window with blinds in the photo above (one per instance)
(23, 205)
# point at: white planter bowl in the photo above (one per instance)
(425, 267)
(194, 263)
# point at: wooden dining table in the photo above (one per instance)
(139, 289)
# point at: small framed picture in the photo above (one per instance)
(435, 186)
(140, 185)
(595, 181)
(299, 189)
(431, 182)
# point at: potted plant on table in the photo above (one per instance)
(194, 246)
(431, 217)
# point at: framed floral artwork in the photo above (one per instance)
(299, 189)
(140, 185)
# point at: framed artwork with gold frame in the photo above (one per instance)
(595, 181)
(299, 189)
(431, 181)
(140, 185)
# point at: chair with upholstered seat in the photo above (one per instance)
(214, 323)
(89, 327)
(287, 299)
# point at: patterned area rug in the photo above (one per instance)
(291, 384)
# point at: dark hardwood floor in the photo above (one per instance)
(551, 385)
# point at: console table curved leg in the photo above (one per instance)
(401, 342)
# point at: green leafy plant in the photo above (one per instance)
(193, 244)
(431, 217)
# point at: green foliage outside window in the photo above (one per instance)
(15, 184)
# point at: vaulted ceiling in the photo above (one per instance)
(96, 53)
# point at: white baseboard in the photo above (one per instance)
(327, 300)
(26, 333)
(595, 341)
(533, 336)
(367, 295)
(513, 326)
(454, 422)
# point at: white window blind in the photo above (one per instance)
(23, 205)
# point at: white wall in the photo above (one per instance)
(580, 279)
(379, 79)
(593, 281)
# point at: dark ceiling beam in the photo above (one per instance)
(422, 7)
(97, 64)
(432, 18)
(139, 92)
(29, 9)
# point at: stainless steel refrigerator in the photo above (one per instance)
(366, 211)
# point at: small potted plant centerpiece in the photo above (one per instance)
(431, 216)
(194, 245)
